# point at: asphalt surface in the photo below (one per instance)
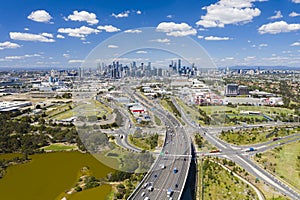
(176, 153)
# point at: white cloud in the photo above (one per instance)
(141, 52)
(109, 28)
(228, 12)
(169, 16)
(121, 15)
(21, 57)
(166, 40)
(84, 16)
(111, 46)
(295, 44)
(214, 38)
(48, 35)
(278, 27)
(29, 37)
(138, 12)
(133, 31)
(294, 14)
(8, 45)
(177, 30)
(200, 36)
(60, 36)
(81, 32)
(277, 15)
(248, 58)
(86, 42)
(75, 61)
(40, 16)
(296, 1)
(26, 29)
(263, 45)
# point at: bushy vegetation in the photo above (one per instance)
(28, 134)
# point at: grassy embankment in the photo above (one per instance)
(284, 162)
(169, 106)
(215, 182)
(255, 135)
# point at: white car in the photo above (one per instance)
(143, 194)
(150, 188)
(145, 185)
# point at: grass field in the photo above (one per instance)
(284, 162)
(90, 108)
(228, 115)
(255, 135)
(157, 120)
(60, 147)
(264, 109)
(220, 184)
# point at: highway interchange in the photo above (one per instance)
(176, 153)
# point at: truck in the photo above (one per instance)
(169, 192)
(250, 149)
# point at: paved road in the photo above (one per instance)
(176, 153)
(239, 156)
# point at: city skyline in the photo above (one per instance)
(237, 32)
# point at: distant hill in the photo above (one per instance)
(261, 68)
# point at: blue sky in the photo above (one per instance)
(55, 33)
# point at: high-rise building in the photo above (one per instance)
(243, 90)
(231, 90)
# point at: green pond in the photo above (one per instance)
(92, 194)
(50, 175)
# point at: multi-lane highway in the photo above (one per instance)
(169, 172)
(176, 153)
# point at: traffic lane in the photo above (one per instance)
(265, 176)
(171, 181)
(157, 175)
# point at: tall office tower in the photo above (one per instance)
(159, 72)
(175, 67)
(134, 64)
(149, 66)
(80, 72)
(231, 90)
(179, 65)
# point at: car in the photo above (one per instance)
(145, 185)
(143, 194)
(150, 188)
(155, 175)
(146, 198)
(176, 185)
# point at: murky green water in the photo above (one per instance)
(49, 176)
(98, 193)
